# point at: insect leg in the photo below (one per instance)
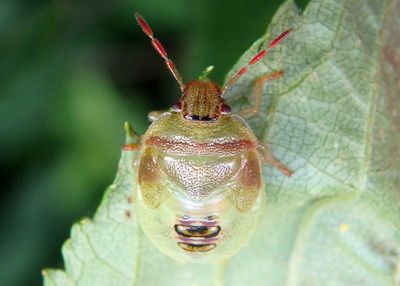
(271, 159)
(258, 93)
(132, 139)
(153, 115)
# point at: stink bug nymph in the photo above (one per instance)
(200, 187)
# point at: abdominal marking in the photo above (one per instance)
(196, 247)
(197, 235)
(197, 230)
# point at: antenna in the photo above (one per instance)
(254, 60)
(160, 49)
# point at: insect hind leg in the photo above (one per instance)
(269, 158)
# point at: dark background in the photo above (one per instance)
(71, 72)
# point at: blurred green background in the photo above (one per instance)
(71, 72)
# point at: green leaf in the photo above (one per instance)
(333, 119)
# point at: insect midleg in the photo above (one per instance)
(258, 93)
(269, 158)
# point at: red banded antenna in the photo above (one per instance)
(254, 60)
(160, 49)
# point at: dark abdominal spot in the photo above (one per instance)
(196, 231)
(196, 247)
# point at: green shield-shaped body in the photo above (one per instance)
(201, 193)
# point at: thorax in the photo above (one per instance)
(174, 135)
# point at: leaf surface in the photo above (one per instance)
(334, 120)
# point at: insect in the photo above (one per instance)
(200, 187)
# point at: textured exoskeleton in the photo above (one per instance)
(201, 191)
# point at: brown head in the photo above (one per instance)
(202, 99)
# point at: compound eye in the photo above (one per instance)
(225, 109)
(177, 107)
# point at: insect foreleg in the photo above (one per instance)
(153, 115)
(132, 139)
(258, 93)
